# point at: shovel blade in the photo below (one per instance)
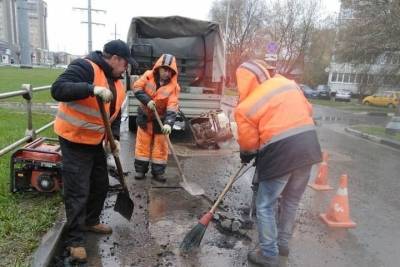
(192, 188)
(124, 205)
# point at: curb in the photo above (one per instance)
(44, 254)
(378, 113)
(374, 138)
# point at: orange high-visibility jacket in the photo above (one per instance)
(80, 121)
(165, 97)
(269, 109)
(274, 121)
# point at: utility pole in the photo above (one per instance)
(115, 32)
(89, 22)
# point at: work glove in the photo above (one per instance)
(151, 105)
(166, 129)
(107, 148)
(104, 93)
(246, 156)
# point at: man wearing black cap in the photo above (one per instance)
(81, 134)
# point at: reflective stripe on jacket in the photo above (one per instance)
(166, 96)
(80, 121)
(274, 110)
(274, 120)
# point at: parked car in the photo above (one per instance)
(388, 99)
(343, 95)
(324, 91)
(308, 91)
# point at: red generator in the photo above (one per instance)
(36, 167)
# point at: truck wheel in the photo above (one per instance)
(132, 124)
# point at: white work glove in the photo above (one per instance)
(151, 105)
(104, 93)
(107, 148)
(166, 129)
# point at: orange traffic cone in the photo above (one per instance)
(321, 181)
(338, 214)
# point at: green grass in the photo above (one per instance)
(350, 106)
(12, 78)
(24, 218)
(378, 131)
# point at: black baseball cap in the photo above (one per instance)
(121, 49)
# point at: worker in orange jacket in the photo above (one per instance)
(275, 126)
(81, 132)
(156, 89)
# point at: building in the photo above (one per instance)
(10, 26)
(37, 16)
(8, 31)
(372, 75)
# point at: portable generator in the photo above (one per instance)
(36, 167)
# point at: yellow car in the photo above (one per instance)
(388, 99)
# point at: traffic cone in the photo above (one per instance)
(338, 214)
(321, 181)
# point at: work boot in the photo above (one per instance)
(140, 175)
(159, 178)
(258, 258)
(283, 251)
(99, 228)
(77, 254)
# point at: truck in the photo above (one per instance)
(199, 51)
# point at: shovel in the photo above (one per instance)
(123, 204)
(192, 188)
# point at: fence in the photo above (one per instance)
(27, 93)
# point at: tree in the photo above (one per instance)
(368, 28)
(319, 55)
(292, 23)
(370, 34)
(245, 28)
(254, 23)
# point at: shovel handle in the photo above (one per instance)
(171, 148)
(227, 187)
(110, 138)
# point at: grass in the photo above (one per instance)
(12, 78)
(377, 131)
(24, 218)
(349, 106)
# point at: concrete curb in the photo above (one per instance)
(374, 138)
(44, 254)
(378, 113)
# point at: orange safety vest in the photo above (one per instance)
(80, 121)
(269, 109)
(165, 97)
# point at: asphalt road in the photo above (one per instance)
(164, 213)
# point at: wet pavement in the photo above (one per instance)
(164, 213)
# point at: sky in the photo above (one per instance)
(67, 33)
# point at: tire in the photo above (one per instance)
(391, 106)
(367, 103)
(132, 124)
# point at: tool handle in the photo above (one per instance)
(110, 138)
(189, 125)
(227, 187)
(254, 189)
(171, 148)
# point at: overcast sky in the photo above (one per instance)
(67, 33)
